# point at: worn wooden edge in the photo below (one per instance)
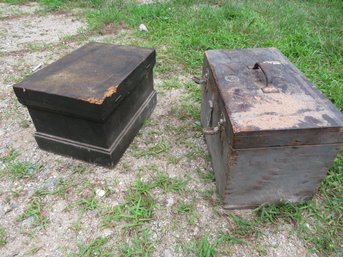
(248, 136)
(93, 110)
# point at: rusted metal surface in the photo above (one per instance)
(91, 103)
(265, 121)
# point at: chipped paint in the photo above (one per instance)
(108, 93)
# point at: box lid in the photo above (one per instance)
(269, 102)
(89, 82)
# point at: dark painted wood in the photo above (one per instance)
(91, 103)
(90, 82)
(270, 132)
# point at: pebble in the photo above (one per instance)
(28, 222)
(143, 28)
(168, 253)
(170, 202)
(100, 192)
(107, 232)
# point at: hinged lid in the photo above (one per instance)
(89, 82)
(269, 102)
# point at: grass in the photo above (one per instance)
(201, 247)
(3, 236)
(35, 210)
(308, 32)
(94, 248)
(188, 210)
(15, 168)
(139, 245)
(139, 204)
(162, 146)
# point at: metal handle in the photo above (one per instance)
(214, 130)
(269, 88)
(198, 80)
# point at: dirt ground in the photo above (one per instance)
(30, 40)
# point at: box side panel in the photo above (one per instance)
(128, 107)
(212, 111)
(268, 175)
(100, 134)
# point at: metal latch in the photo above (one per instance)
(214, 130)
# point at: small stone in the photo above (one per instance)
(8, 208)
(107, 232)
(167, 253)
(28, 222)
(170, 202)
(100, 192)
(60, 206)
(143, 28)
(50, 183)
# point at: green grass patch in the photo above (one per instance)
(3, 236)
(139, 204)
(162, 146)
(139, 245)
(88, 201)
(35, 210)
(201, 247)
(94, 248)
(15, 168)
(187, 209)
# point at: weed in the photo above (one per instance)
(171, 84)
(17, 169)
(189, 210)
(78, 169)
(201, 247)
(185, 207)
(76, 226)
(242, 232)
(161, 146)
(261, 250)
(273, 212)
(88, 201)
(37, 47)
(206, 177)
(64, 186)
(244, 228)
(168, 184)
(35, 210)
(136, 210)
(3, 236)
(34, 250)
(140, 245)
(139, 203)
(95, 248)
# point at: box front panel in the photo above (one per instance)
(267, 175)
(100, 134)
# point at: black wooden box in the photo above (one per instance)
(91, 103)
(271, 133)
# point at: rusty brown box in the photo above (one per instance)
(271, 133)
(91, 103)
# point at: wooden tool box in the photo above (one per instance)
(91, 103)
(271, 133)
